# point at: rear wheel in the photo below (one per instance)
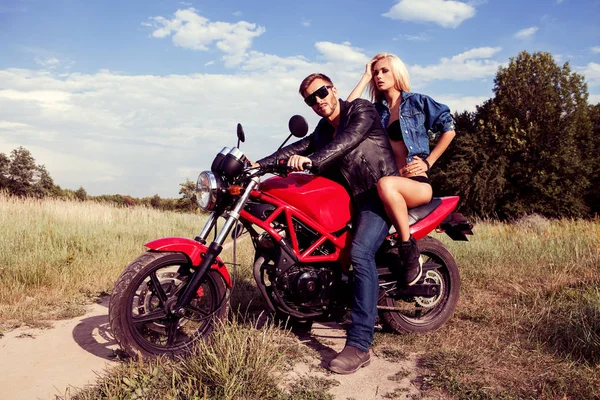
(141, 305)
(425, 314)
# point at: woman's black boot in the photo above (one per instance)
(411, 261)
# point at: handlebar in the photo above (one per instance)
(309, 167)
(280, 166)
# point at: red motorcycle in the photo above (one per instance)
(301, 228)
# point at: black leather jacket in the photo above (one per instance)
(360, 150)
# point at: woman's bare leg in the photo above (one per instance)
(398, 194)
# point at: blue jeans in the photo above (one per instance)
(371, 230)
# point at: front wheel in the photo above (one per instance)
(141, 306)
(420, 314)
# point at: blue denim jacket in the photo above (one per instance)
(419, 114)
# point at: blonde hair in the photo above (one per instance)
(399, 71)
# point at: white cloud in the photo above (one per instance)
(591, 73)
(461, 103)
(472, 64)
(447, 13)
(146, 127)
(51, 62)
(145, 134)
(8, 125)
(238, 13)
(261, 62)
(596, 49)
(193, 31)
(306, 23)
(526, 33)
(342, 53)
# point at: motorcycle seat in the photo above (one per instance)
(414, 215)
(418, 213)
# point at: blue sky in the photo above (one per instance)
(133, 97)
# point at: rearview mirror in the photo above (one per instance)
(298, 126)
(240, 134)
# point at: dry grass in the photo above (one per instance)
(57, 255)
(527, 325)
(240, 361)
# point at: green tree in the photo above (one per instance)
(81, 194)
(129, 201)
(531, 148)
(187, 190)
(592, 197)
(4, 165)
(21, 172)
(155, 201)
(470, 168)
(539, 127)
(43, 183)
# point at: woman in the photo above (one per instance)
(408, 117)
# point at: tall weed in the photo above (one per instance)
(55, 255)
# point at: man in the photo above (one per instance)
(350, 146)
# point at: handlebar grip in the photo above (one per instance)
(310, 167)
(281, 165)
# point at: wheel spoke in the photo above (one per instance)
(178, 289)
(152, 316)
(172, 332)
(158, 289)
(198, 311)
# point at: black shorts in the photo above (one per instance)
(422, 179)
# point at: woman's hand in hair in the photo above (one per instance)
(363, 83)
(369, 69)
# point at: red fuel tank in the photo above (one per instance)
(325, 201)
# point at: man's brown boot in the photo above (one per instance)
(350, 360)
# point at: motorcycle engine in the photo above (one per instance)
(306, 288)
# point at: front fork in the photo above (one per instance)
(214, 249)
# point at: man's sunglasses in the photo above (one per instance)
(321, 92)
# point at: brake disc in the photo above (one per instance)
(148, 301)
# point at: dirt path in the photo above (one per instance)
(40, 364)
(377, 381)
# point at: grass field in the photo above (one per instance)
(527, 325)
(55, 255)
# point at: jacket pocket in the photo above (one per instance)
(367, 174)
(415, 118)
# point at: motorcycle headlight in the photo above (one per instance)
(207, 190)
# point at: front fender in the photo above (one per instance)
(193, 249)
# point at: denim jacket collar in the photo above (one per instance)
(404, 96)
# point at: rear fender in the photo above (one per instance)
(192, 249)
(457, 226)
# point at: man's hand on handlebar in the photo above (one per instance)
(299, 163)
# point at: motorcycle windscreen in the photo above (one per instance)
(321, 199)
